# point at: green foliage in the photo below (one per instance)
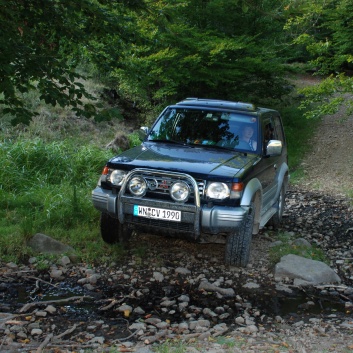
(108, 115)
(202, 49)
(324, 29)
(327, 97)
(134, 139)
(43, 41)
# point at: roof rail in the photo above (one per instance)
(217, 103)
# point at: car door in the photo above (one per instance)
(271, 130)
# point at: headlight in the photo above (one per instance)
(117, 177)
(180, 191)
(219, 191)
(137, 186)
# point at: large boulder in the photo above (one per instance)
(44, 244)
(305, 271)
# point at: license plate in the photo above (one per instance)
(157, 213)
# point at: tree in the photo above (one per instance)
(42, 42)
(216, 48)
(325, 29)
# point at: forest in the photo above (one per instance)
(73, 73)
(156, 52)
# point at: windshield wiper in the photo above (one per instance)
(168, 141)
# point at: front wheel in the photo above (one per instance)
(237, 252)
(112, 231)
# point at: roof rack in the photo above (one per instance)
(217, 103)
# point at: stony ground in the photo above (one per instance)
(168, 289)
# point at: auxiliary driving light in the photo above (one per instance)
(180, 191)
(137, 186)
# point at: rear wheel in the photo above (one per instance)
(112, 231)
(276, 219)
(237, 252)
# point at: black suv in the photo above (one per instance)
(210, 170)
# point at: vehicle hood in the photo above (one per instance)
(199, 161)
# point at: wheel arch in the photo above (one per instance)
(253, 196)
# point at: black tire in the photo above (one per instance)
(237, 252)
(112, 231)
(276, 220)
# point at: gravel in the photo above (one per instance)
(167, 289)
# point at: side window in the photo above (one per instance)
(269, 132)
(278, 128)
(272, 129)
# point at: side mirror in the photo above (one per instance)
(274, 148)
(142, 133)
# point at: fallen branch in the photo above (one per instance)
(125, 338)
(112, 303)
(28, 306)
(44, 343)
(70, 330)
(41, 280)
(156, 337)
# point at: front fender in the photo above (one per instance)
(253, 195)
(253, 186)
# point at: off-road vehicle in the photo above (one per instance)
(210, 170)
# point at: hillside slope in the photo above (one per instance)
(329, 165)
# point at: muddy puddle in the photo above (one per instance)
(299, 305)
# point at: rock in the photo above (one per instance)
(240, 320)
(139, 311)
(310, 272)
(251, 285)
(56, 274)
(65, 260)
(182, 271)
(158, 276)
(125, 308)
(99, 340)
(137, 326)
(12, 266)
(209, 312)
(167, 303)
(227, 292)
(153, 320)
(50, 309)
(302, 242)
(44, 244)
(93, 279)
(36, 332)
(184, 298)
(41, 313)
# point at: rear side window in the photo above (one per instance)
(272, 130)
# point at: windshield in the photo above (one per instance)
(206, 127)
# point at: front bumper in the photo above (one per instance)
(194, 219)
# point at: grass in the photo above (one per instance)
(287, 246)
(179, 346)
(46, 187)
